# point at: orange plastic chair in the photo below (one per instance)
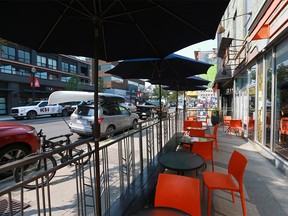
(197, 124)
(226, 121)
(191, 118)
(204, 149)
(193, 133)
(186, 124)
(213, 136)
(284, 126)
(221, 181)
(235, 125)
(196, 133)
(179, 192)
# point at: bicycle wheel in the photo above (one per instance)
(79, 150)
(34, 169)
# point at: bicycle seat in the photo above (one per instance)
(68, 135)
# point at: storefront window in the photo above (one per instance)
(249, 124)
(281, 111)
(260, 97)
(268, 98)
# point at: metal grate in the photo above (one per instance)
(16, 206)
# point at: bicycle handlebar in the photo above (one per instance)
(40, 134)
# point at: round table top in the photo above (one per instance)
(191, 140)
(196, 128)
(181, 161)
(159, 211)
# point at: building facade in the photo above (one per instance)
(52, 72)
(21, 66)
(131, 89)
(253, 73)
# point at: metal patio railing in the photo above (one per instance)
(73, 190)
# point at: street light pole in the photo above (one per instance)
(33, 71)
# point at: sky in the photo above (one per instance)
(207, 45)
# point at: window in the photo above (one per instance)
(281, 114)
(52, 64)
(8, 52)
(116, 79)
(105, 67)
(41, 61)
(7, 68)
(24, 56)
(269, 70)
(73, 69)
(65, 67)
(65, 78)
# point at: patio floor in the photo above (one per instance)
(266, 188)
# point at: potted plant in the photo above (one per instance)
(215, 119)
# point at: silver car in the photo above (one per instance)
(130, 106)
(110, 115)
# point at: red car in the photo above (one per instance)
(16, 141)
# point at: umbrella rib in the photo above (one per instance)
(179, 18)
(74, 9)
(55, 24)
(144, 35)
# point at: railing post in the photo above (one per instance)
(141, 147)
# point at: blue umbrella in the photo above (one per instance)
(189, 81)
(172, 67)
(185, 88)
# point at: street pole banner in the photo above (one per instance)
(36, 82)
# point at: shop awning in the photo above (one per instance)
(224, 45)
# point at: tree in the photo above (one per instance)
(101, 84)
(72, 84)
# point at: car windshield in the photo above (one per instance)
(33, 103)
(85, 110)
(155, 103)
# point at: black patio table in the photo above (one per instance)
(181, 161)
(190, 140)
(160, 211)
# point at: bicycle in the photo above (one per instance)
(46, 163)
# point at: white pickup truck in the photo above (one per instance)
(38, 108)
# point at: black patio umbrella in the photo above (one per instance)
(189, 81)
(172, 67)
(109, 30)
(169, 69)
(185, 88)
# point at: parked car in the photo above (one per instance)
(17, 141)
(38, 108)
(71, 106)
(132, 107)
(111, 116)
(149, 109)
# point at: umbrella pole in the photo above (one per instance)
(160, 123)
(176, 115)
(96, 131)
(184, 105)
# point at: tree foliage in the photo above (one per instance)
(72, 84)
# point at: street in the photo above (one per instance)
(51, 126)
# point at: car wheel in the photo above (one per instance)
(110, 128)
(31, 115)
(65, 113)
(12, 153)
(135, 121)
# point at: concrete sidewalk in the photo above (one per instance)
(266, 188)
(6, 118)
